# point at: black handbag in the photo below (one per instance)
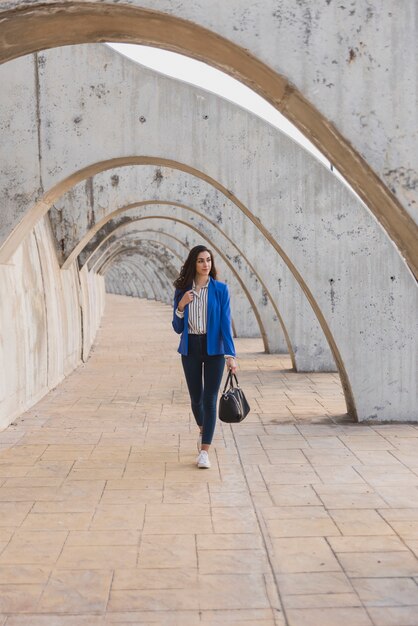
(233, 405)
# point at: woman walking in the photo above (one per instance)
(202, 316)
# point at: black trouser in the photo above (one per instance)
(203, 390)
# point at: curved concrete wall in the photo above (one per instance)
(44, 313)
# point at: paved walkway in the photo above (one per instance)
(303, 520)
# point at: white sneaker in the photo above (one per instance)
(199, 442)
(203, 460)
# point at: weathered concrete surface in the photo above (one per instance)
(345, 74)
(247, 316)
(41, 327)
(329, 243)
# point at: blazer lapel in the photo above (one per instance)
(186, 314)
(211, 298)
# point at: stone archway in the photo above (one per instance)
(193, 236)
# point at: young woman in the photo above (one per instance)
(202, 316)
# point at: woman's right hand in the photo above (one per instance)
(186, 299)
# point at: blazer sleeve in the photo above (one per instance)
(226, 326)
(178, 322)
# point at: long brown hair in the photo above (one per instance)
(188, 271)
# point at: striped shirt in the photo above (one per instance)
(198, 311)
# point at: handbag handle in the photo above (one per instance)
(229, 380)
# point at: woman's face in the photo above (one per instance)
(203, 264)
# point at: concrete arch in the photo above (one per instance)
(114, 259)
(129, 270)
(192, 194)
(73, 225)
(317, 253)
(128, 246)
(116, 275)
(247, 315)
(159, 258)
(275, 338)
(144, 255)
(113, 277)
(33, 26)
(192, 236)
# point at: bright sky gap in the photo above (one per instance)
(202, 75)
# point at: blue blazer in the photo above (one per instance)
(219, 332)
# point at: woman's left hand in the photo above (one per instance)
(231, 364)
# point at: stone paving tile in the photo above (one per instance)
(176, 578)
(19, 598)
(361, 522)
(304, 518)
(304, 554)
(319, 527)
(33, 547)
(237, 561)
(387, 591)
(76, 592)
(288, 495)
(57, 521)
(232, 541)
(379, 564)
(355, 616)
(394, 615)
(398, 496)
(7, 471)
(314, 583)
(400, 515)
(325, 601)
(168, 551)
(387, 543)
(13, 513)
(24, 574)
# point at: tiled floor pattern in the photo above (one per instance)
(303, 520)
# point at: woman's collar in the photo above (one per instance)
(206, 285)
